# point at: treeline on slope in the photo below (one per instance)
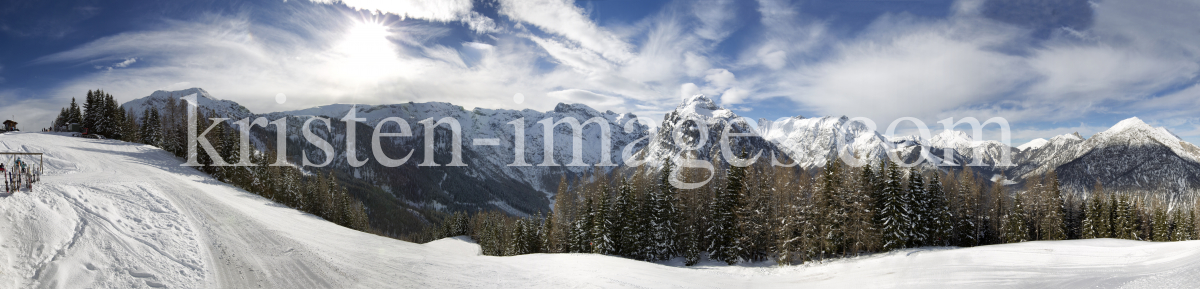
(318, 194)
(792, 216)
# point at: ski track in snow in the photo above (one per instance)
(109, 214)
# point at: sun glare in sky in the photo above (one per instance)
(366, 54)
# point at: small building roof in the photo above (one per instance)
(7, 121)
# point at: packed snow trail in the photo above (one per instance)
(110, 214)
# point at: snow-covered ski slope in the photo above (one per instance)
(110, 214)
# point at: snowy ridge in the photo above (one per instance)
(487, 182)
(158, 100)
(1130, 155)
(687, 119)
(518, 189)
(812, 142)
(1033, 144)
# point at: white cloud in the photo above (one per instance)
(121, 64)
(734, 96)
(716, 17)
(125, 63)
(433, 10)
(720, 79)
(918, 71)
(552, 51)
(597, 101)
(695, 65)
(688, 90)
(564, 18)
(30, 113)
(1104, 72)
(438, 10)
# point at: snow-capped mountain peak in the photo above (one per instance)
(1033, 144)
(703, 106)
(1133, 131)
(159, 99)
(199, 92)
(952, 139)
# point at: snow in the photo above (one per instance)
(1033, 144)
(952, 139)
(109, 214)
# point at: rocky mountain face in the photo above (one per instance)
(1130, 156)
(489, 178)
(694, 131)
(495, 174)
(491, 175)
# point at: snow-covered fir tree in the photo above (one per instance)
(938, 233)
(723, 232)
(893, 216)
(916, 200)
(664, 222)
(603, 226)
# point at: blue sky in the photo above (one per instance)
(1048, 67)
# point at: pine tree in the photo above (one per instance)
(917, 208)
(583, 229)
(862, 234)
(75, 116)
(829, 200)
(1123, 227)
(939, 213)
(754, 217)
(894, 222)
(1090, 228)
(1161, 226)
(603, 228)
(1051, 223)
(722, 233)
(61, 120)
(1105, 215)
(665, 220)
(1015, 229)
(89, 112)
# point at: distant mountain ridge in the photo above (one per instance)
(1130, 155)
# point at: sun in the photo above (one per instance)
(366, 53)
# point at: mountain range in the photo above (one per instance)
(1130, 156)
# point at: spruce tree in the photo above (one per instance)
(89, 112)
(917, 207)
(1052, 224)
(665, 220)
(1123, 227)
(603, 227)
(1014, 227)
(863, 235)
(939, 214)
(75, 115)
(583, 228)
(893, 216)
(829, 200)
(1161, 226)
(1090, 228)
(722, 232)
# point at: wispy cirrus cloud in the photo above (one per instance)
(1096, 62)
